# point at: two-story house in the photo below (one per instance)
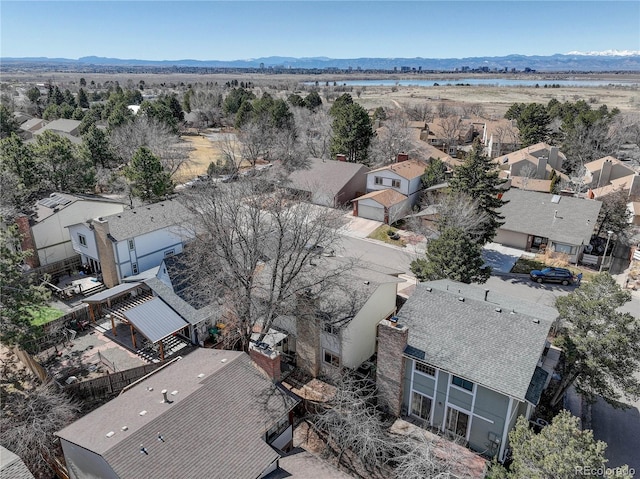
(341, 331)
(212, 413)
(391, 190)
(535, 161)
(45, 230)
(466, 361)
(135, 240)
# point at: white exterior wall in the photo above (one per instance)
(51, 235)
(149, 250)
(84, 464)
(91, 249)
(387, 176)
(359, 336)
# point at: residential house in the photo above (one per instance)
(537, 221)
(535, 161)
(12, 467)
(448, 134)
(330, 183)
(212, 413)
(45, 230)
(29, 126)
(466, 361)
(132, 241)
(608, 175)
(61, 125)
(196, 306)
(344, 332)
(500, 137)
(391, 190)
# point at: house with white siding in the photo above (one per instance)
(135, 240)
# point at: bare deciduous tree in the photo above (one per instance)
(451, 127)
(30, 417)
(503, 135)
(255, 250)
(472, 109)
(314, 132)
(444, 111)
(527, 173)
(156, 136)
(395, 136)
(420, 112)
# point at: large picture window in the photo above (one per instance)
(420, 406)
(457, 422)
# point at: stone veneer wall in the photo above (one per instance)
(392, 339)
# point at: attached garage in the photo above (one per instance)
(387, 206)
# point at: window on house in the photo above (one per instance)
(134, 268)
(132, 245)
(280, 427)
(395, 183)
(564, 248)
(331, 328)
(420, 406)
(82, 239)
(169, 252)
(457, 422)
(331, 358)
(377, 180)
(425, 369)
(462, 383)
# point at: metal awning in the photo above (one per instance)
(155, 320)
(111, 293)
(272, 338)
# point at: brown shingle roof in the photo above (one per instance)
(386, 197)
(214, 427)
(407, 169)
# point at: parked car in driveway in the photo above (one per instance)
(552, 275)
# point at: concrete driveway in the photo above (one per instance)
(502, 258)
(358, 227)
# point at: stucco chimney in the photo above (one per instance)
(392, 340)
(605, 173)
(402, 157)
(554, 158)
(341, 157)
(541, 174)
(27, 242)
(106, 253)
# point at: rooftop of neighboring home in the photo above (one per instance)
(388, 197)
(625, 183)
(408, 169)
(531, 184)
(60, 125)
(330, 176)
(32, 124)
(530, 153)
(502, 129)
(202, 432)
(145, 219)
(55, 202)
(444, 127)
(484, 337)
(596, 165)
(563, 219)
(12, 467)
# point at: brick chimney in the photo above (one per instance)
(267, 359)
(104, 243)
(392, 339)
(341, 157)
(402, 157)
(27, 242)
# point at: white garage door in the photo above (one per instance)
(371, 212)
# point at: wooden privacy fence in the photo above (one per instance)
(56, 332)
(34, 366)
(65, 266)
(110, 384)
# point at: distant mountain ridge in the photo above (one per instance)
(574, 61)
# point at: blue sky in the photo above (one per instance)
(211, 30)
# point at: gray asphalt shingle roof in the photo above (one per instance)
(214, 427)
(182, 307)
(471, 339)
(155, 319)
(534, 213)
(145, 219)
(12, 467)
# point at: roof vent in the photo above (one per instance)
(125, 428)
(160, 438)
(143, 412)
(513, 311)
(110, 434)
(460, 298)
(366, 282)
(536, 320)
(165, 398)
(429, 289)
(149, 388)
(498, 310)
(143, 450)
(201, 375)
(224, 360)
(173, 393)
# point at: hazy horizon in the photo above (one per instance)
(226, 31)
